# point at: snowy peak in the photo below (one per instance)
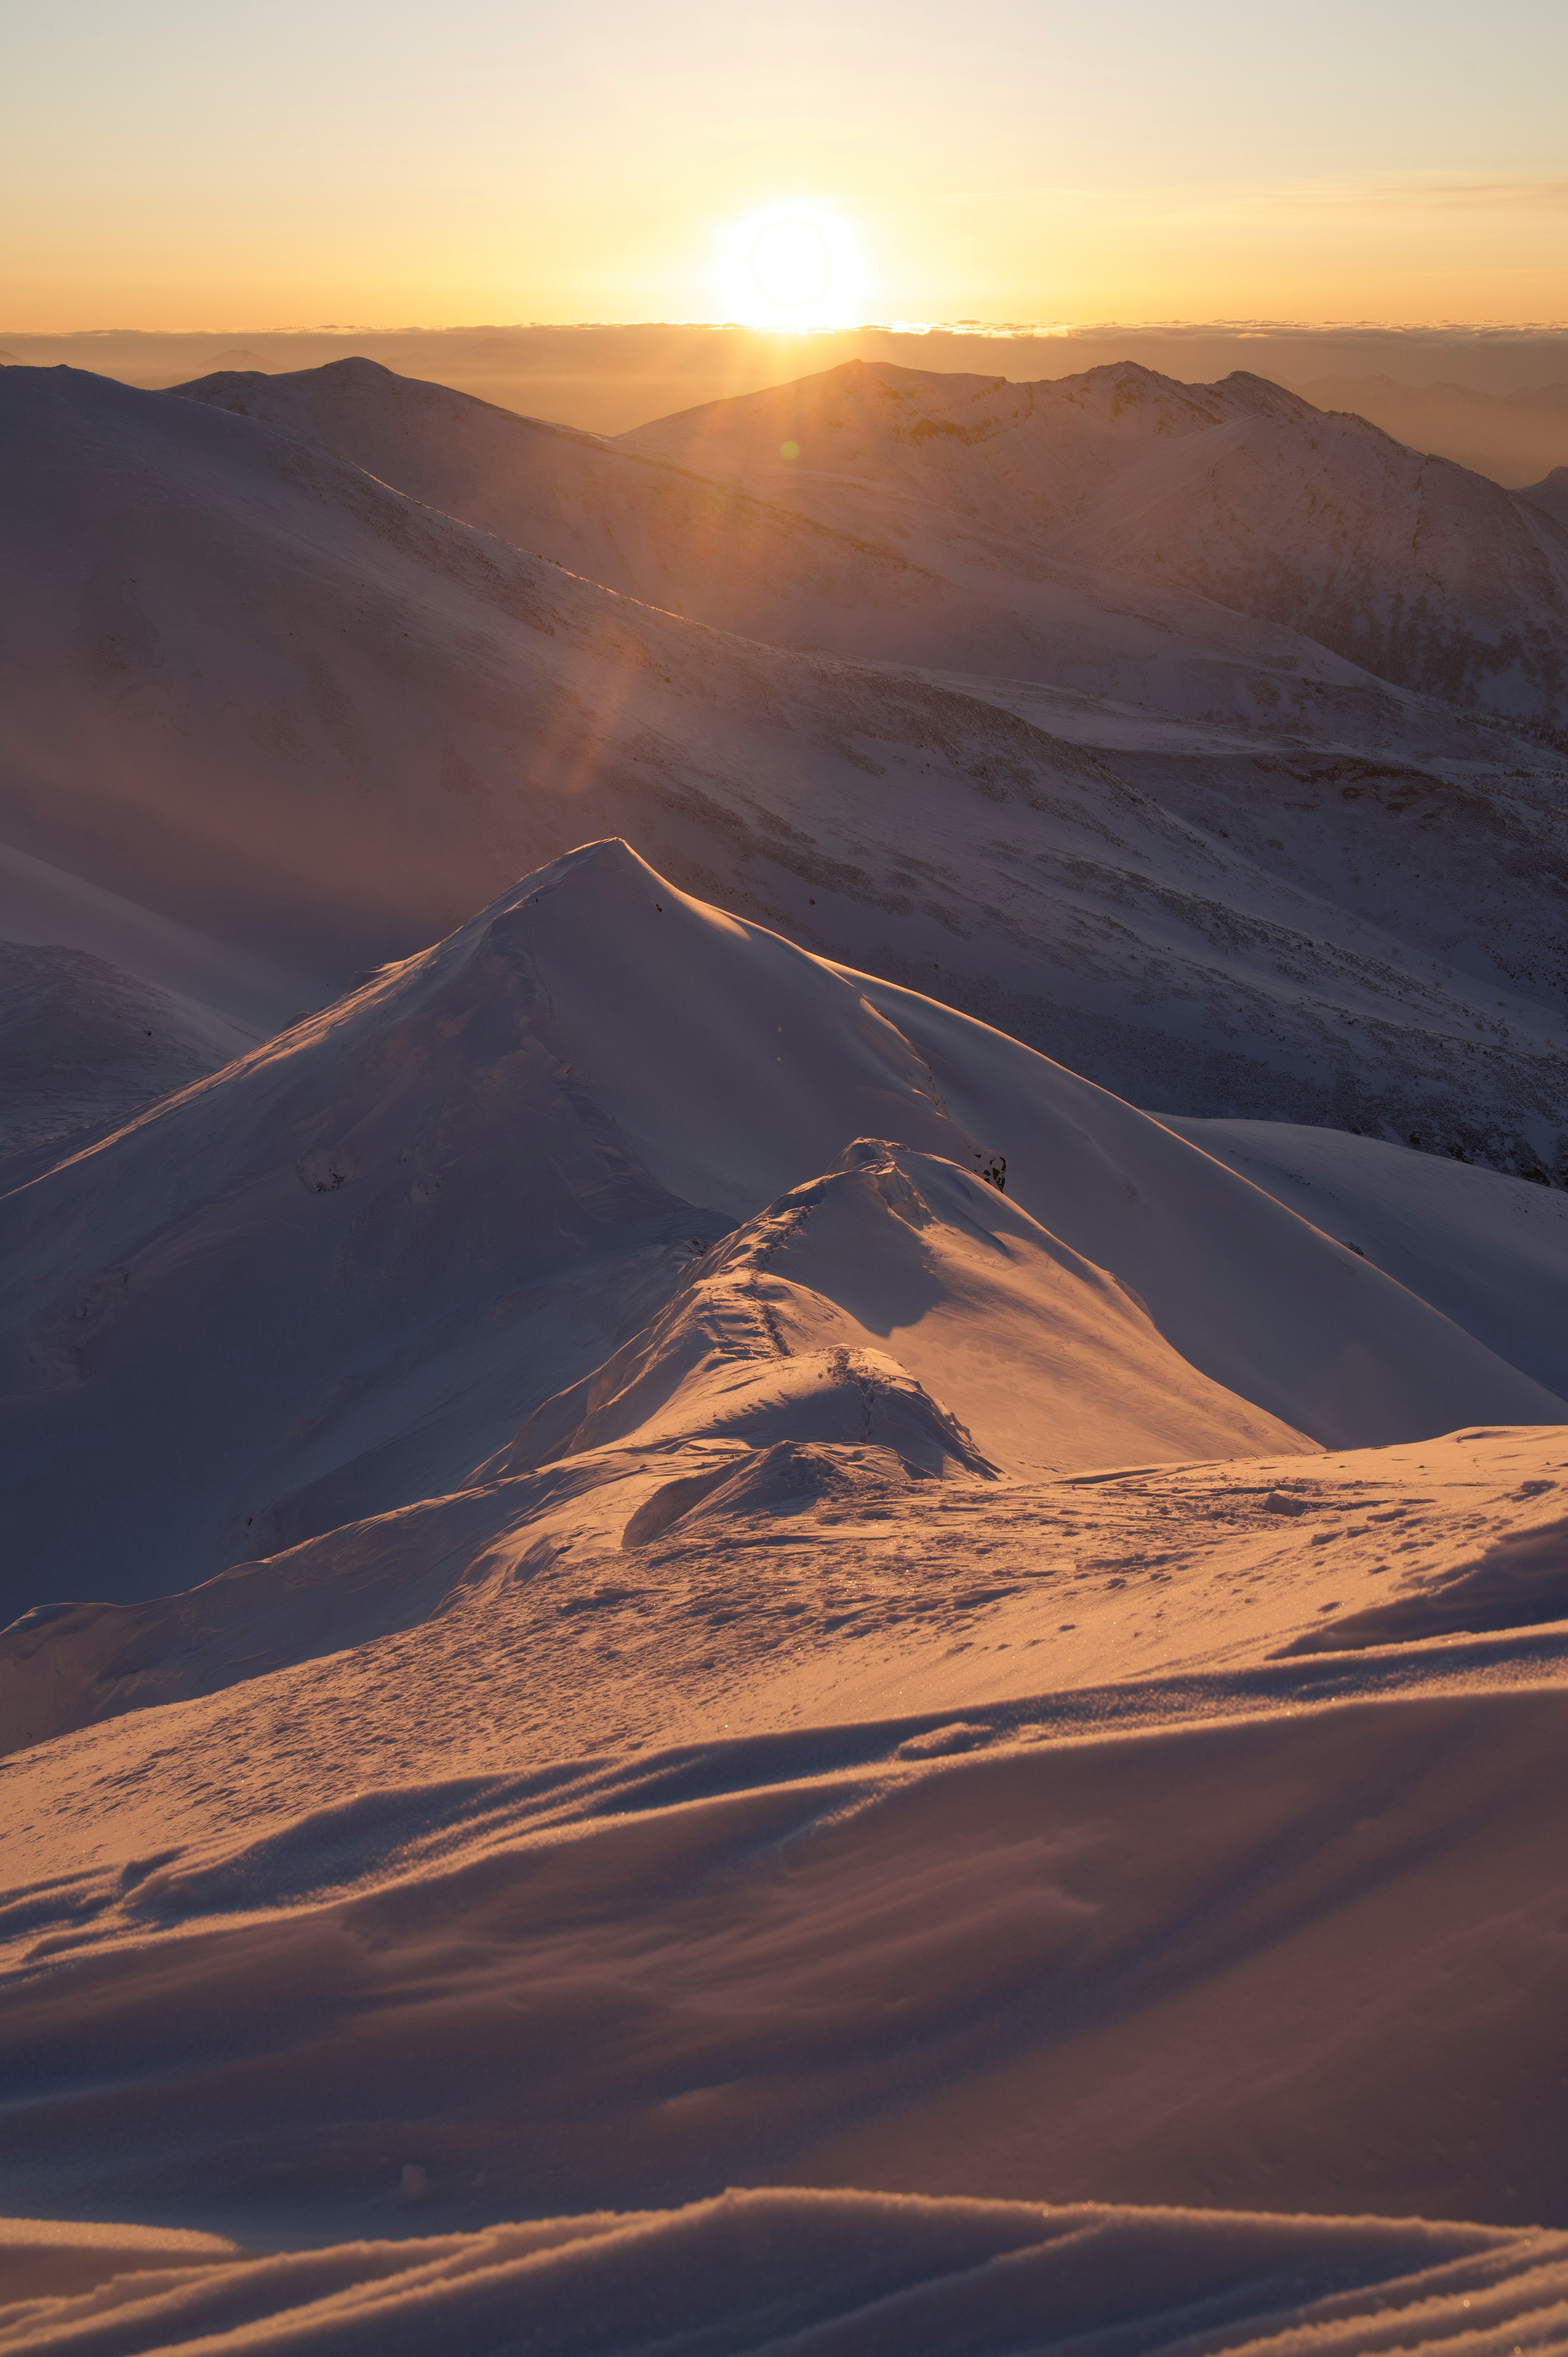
(900, 1302)
(463, 1188)
(1240, 492)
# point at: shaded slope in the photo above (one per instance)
(1171, 1964)
(1278, 1314)
(331, 1279)
(255, 690)
(84, 1043)
(872, 582)
(1550, 496)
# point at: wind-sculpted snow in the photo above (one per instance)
(1520, 1583)
(799, 2273)
(705, 1658)
(1050, 1361)
(390, 1233)
(418, 1905)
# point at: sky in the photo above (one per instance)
(305, 162)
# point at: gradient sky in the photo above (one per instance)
(185, 165)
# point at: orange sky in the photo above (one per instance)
(178, 166)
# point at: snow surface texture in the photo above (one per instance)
(840, 1759)
(80, 1042)
(645, 1712)
(991, 1849)
(452, 1197)
(1196, 855)
(1488, 1251)
(857, 2275)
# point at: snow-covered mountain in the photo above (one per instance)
(704, 1656)
(1550, 496)
(254, 691)
(82, 1042)
(337, 1278)
(1409, 566)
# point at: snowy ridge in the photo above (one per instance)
(796, 2272)
(1410, 567)
(424, 1206)
(1221, 875)
(696, 1654)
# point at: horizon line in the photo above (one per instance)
(1000, 330)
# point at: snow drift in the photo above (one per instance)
(798, 2272)
(335, 1277)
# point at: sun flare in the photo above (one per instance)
(795, 265)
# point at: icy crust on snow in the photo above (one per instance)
(396, 1228)
(845, 2274)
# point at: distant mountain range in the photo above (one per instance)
(1006, 693)
(1512, 436)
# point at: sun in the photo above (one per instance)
(795, 265)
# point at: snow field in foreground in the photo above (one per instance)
(830, 2275)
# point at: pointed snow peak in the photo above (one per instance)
(1261, 397)
(734, 1062)
(593, 878)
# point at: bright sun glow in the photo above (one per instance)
(795, 265)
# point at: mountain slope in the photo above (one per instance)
(883, 582)
(1550, 496)
(961, 1841)
(1411, 568)
(82, 1042)
(258, 692)
(392, 1232)
(1488, 1251)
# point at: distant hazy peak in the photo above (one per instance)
(1550, 496)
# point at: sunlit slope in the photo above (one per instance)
(879, 580)
(1487, 1250)
(334, 1277)
(794, 2266)
(1411, 568)
(295, 1945)
(255, 690)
